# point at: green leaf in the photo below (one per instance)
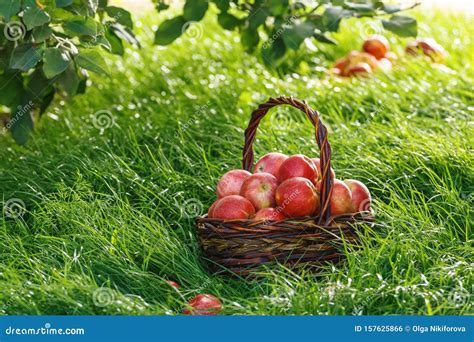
(332, 17)
(294, 35)
(257, 17)
(11, 85)
(22, 120)
(272, 53)
(194, 10)
(63, 3)
(34, 17)
(86, 27)
(46, 101)
(170, 30)
(25, 57)
(278, 7)
(360, 8)
(401, 25)
(69, 81)
(8, 8)
(38, 85)
(320, 37)
(55, 61)
(120, 15)
(41, 33)
(391, 8)
(222, 5)
(91, 60)
(116, 44)
(249, 39)
(228, 21)
(124, 33)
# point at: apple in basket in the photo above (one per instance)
(269, 214)
(361, 198)
(376, 45)
(298, 166)
(233, 207)
(260, 189)
(341, 198)
(317, 163)
(297, 197)
(231, 183)
(203, 305)
(270, 163)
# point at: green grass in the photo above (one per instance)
(104, 208)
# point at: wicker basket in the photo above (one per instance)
(241, 246)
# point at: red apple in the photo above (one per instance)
(297, 197)
(270, 163)
(317, 163)
(360, 195)
(341, 198)
(260, 189)
(356, 57)
(173, 284)
(391, 57)
(340, 66)
(233, 207)
(203, 305)
(376, 45)
(269, 214)
(298, 166)
(360, 69)
(231, 183)
(385, 64)
(429, 47)
(210, 212)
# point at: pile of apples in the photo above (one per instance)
(375, 55)
(284, 187)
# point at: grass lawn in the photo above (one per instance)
(109, 211)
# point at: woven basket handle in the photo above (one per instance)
(321, 139)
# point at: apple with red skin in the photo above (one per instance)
(210, 212)
(203, 305)
(361, 198)
(360, 69)
(233, 207)
(269, 214)
(317, 163)
(340, 66)
(297, 197)
(173, 284)
(356, 57)
(427, 46)
(341, 198)
(297, 166)
(376, 45)
(231, 183)
(270, 163)
(260, 189)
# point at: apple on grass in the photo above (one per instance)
(361, 198)
(260, 189)
(341, 198)
(297, 197)
(231, 183)
(203, 305)
(173, 284)
(270, 163)
(360, 69)
(297, 166)
(233, 207)
(269, 214)
(376, 45)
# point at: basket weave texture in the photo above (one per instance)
(241, 246)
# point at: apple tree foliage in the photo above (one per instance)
(276, 26)
(47, 48)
